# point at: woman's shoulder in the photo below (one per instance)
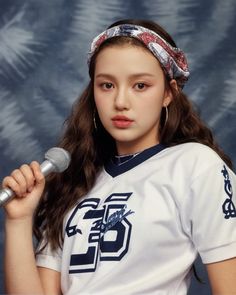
(192, 158)
(194, 150)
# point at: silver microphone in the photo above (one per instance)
(57, 160)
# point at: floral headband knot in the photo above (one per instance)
(172, 59)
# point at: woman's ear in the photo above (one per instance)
(169, 93)
(173, 84)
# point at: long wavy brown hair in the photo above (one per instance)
(91, 147)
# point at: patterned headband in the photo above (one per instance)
(172, 59)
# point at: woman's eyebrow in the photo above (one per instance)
(137, 75)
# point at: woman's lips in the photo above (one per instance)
(121, 121)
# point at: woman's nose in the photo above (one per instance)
(122, 99)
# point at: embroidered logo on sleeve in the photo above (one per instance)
(228, 206)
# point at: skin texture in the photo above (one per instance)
(222, 276)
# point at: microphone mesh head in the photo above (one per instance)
(59, 157)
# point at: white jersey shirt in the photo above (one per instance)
(139, 230)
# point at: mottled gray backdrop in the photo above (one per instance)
(43, 46)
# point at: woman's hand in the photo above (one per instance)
(28, 184)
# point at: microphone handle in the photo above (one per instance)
(47, 167)
(7, 194)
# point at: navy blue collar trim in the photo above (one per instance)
(115, 170)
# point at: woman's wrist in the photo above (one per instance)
(26, 221)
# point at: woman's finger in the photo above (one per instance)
(39, 177)
(20, 179)
(29, 177)
(11, 183)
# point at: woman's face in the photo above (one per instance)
(129, 92)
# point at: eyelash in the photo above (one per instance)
(143, 84)
(105, 84)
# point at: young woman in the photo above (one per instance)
(146, 191)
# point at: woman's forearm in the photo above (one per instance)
(21, 274)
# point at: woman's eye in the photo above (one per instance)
(140, 86)
(107, 86)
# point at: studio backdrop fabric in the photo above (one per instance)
(43, 51)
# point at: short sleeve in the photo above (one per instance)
(48, 258)
(212, 214)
